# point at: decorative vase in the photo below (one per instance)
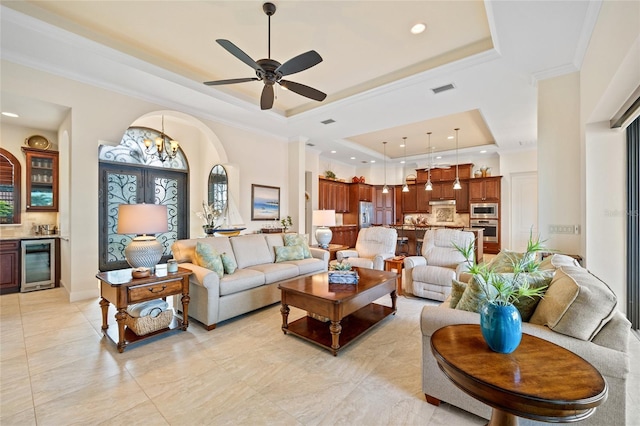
(501, 327)
(209, 230)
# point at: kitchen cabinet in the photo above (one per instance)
(484, 189)
(443, 175)
(344, 235)
(422, 199)
(360, 192)
(462, 197)
(41, 180)
(409, 199)
(333, 196)
(9, 266)
(384, 206)
(443, 191)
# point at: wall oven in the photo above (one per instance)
(38, 264)
(491, 228)
(483, 211)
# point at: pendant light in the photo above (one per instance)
(385, 188)
(405, 187)
(456, 183)
(428, 186)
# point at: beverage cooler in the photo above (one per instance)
(38, 264)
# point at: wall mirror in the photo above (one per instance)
(218, 188)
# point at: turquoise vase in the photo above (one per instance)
(501, 327)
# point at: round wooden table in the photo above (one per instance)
(539, 380)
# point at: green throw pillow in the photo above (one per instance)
(527, 305)
(457, 289)
(473, 297)
(297, 240)
(284, 253)
(229, 264)
(207, 257)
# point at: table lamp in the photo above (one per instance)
(322, 219)
(144, 220)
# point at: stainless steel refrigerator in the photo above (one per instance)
(365, 214)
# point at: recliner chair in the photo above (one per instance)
(373, 246)
(430, 275)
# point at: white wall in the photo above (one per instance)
(606, 206)
(560, 200)
(99, 115)
(609, 75)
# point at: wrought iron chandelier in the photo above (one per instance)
(165, 148)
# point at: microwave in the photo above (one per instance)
(484, 211)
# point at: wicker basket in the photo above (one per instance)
(149, 324)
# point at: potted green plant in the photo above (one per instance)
(500, 320)
(286, 223)
(329, 174)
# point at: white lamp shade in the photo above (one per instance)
(324, 217)
(142, 219)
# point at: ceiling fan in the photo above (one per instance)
(270, 71)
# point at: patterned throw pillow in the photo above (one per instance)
(297, 240)
(473, 297)
(229, 264)
(457, 289)
(527, 305)
(284, 253)
(207, 257)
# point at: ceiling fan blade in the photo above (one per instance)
(300, 63)
(266, 100)
(230, 81)
(303, 90)
(238, 53)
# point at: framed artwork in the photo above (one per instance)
(265, 202)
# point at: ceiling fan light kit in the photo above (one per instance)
(270, 71)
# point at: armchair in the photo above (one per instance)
(430, 275)
(373, 246)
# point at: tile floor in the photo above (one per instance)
(57, 369)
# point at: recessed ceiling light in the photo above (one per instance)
(333, 151)
(10, 114)
(439, 157)
(449, 137)
(402, 162)
(353, 158)
(401, 145)
(418, 28)
(483, 151)
(372, 161)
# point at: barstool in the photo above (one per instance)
(402, 241)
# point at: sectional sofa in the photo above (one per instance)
(579, 314)
(254, 284)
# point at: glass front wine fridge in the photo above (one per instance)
(38, 264)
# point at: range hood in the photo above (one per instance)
(443, 203)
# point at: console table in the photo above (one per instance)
(121, 289)
(539, 380)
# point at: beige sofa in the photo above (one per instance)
(253, 285)
(602, 341)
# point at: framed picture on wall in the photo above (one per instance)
(265, 202)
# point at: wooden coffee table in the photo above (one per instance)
(349, 308)
(539, 380)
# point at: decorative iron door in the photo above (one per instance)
(123, 184)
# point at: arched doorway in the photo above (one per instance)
(131, 173)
